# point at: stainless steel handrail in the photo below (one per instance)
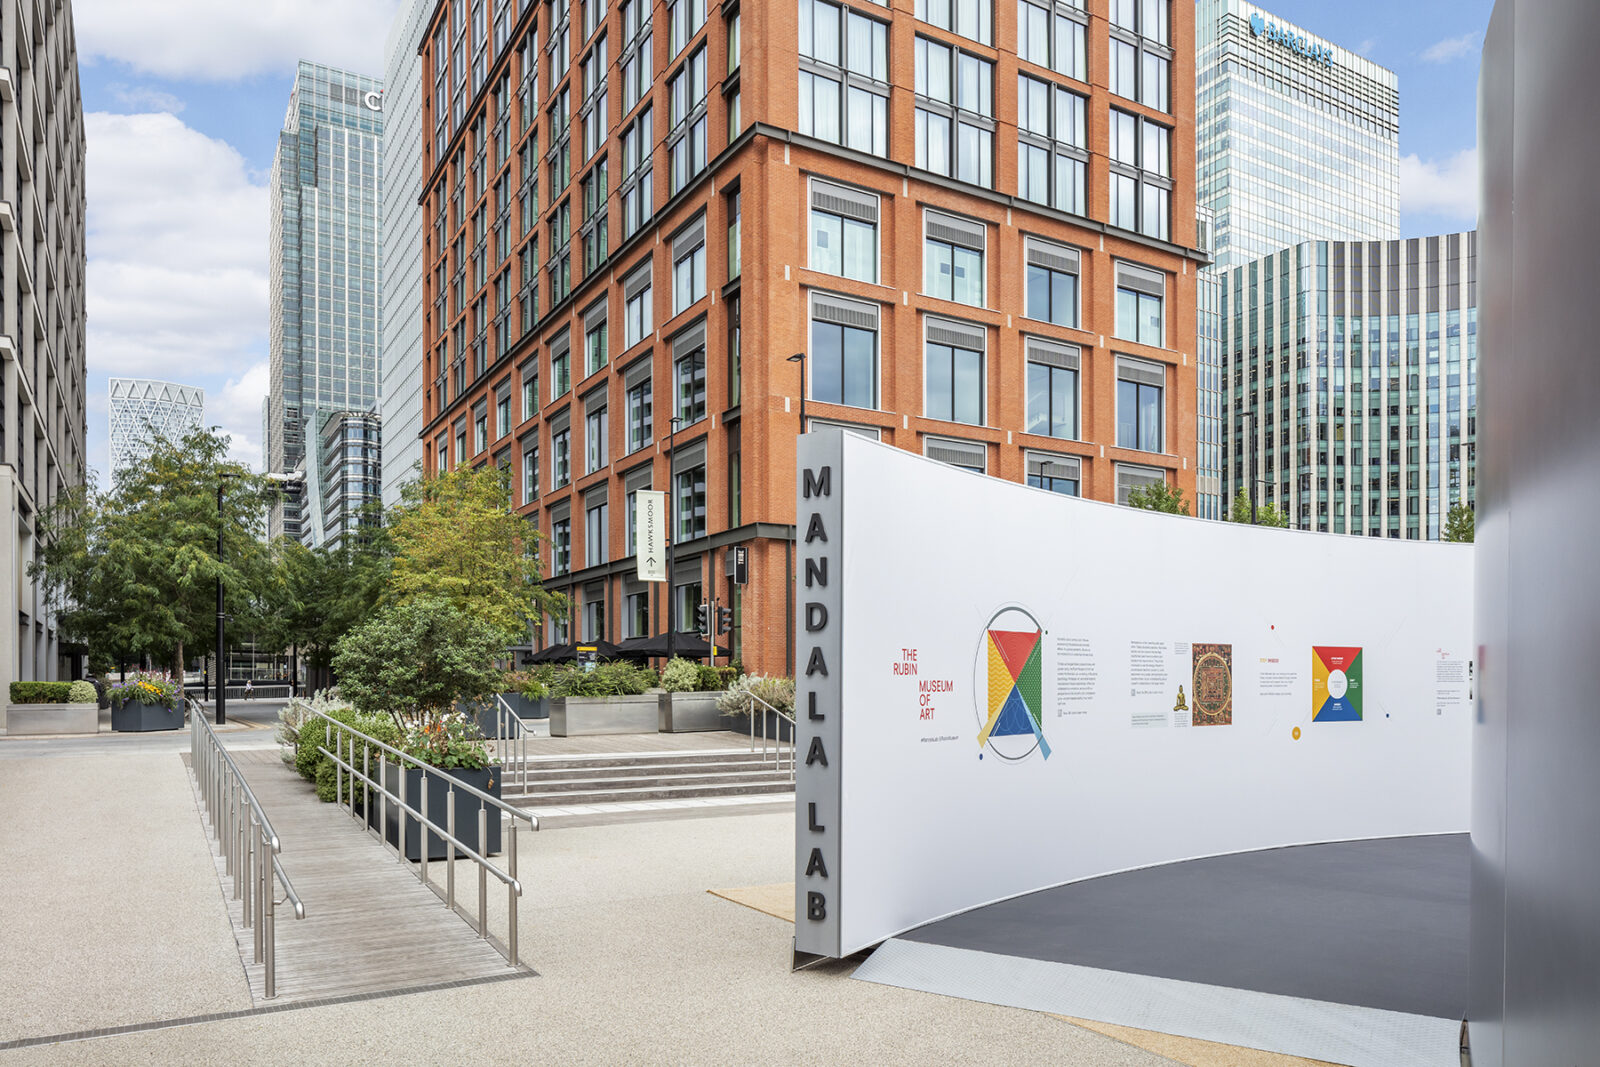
(344, 760)
(777, 742)
(512, 741)
(246, 839)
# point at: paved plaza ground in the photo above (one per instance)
(112, 915)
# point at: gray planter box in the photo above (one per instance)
(52, 719)
(528, 709)
(134, 717)
(682, 713)
(467, 806)
(571, 716)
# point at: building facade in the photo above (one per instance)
(43, 383)
(344, 476)
(1351, 371)
(142, 408)
(963, 229)
(1298, 139)
(326, 195)
(400, 353)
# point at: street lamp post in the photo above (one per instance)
(672, 489)
(222, 618)
(800, 358)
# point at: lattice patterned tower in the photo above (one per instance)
(141, 408)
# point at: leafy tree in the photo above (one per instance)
(316, 596)
(135, 569)
(1158, 496)
(414, 661)
(1461, 523)
(456, 538)
(1266, 514)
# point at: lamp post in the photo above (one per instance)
(222, 619)
(800, 358)
(672, 489)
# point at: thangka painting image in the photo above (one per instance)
(1211, 693)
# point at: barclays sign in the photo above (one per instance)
(1260, 27)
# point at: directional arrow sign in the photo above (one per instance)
(650, 535)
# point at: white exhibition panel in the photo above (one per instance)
(1129, 606)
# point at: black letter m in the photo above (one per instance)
(815, 486)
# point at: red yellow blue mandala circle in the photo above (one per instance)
(1008, 686)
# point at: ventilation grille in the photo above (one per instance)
(958, 334)
(637, 282)
(1137, 370)
(561, 346)
(594, 401)
(1055, 466)
(688, 457)
(688, 238)
(956, 453)
(1052, 355)
(560, 421)
(1131, 478)
(871, 433)
(845, 313)
(595, 497)
(1053, 257)
(956, 231)
(1140, 279)
(595, 316)
(689, 340)
(637, 374)
(846, 202)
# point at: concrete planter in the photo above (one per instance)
(572, 716)
(527, 708)
(52, 719)
(133, 717)
(467, 805)
(777, 727)
(682, 713)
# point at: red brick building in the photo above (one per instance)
(975, 220)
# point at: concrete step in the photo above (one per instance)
(540, 773)
(638, 793)
(590, 781)
(644, 760)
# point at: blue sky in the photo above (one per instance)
(184, 99)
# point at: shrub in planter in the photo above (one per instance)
(680, 676)
(82, 693)
(779, 692)
(618, 678)
(40, 692)
(146, 687)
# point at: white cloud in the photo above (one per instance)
(1451, 48)
(1365, 47)
(236, 407)
(1440, 187)
(223, 40)
(144, 98)
(177, 248)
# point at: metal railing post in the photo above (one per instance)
(511, 892)
(422, 832)
(450, 844)
(483, 871)
(383, 797)
(270, 937)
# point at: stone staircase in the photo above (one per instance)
(637, 783)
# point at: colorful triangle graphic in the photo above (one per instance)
(1015, 648)
(1014, 717)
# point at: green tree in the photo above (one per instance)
(135, 568)
(1461, 523)
(456, 538)
(1158, 496)
(414, 661)
(316, 596)
(1266, 514)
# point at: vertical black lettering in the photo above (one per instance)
(815, 530)
(816, 617)
(816, 866)
(811, 710)
(819, 486)
(816, 664)
(811, 820)
(815, 754)
(818, 569)
(816, 907)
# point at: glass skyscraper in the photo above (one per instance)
(1350, 370)
(1297, 138)
(327, 183)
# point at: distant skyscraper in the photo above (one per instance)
(325, 320)
(141, 408)
(1298, 139)
(400, 388)
(42, 390)
(343, 475)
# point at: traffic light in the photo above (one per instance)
(724, 620)
(702, 618)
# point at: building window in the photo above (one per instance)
(561, 545)
(1051, 154)
(637, 52)
(560, 456)
(594, 531)
(735, 351)
(637, 386)
(691, 503)
(480, 431)
(1141, 168)
(596, 101)
(1053, 35)
(636, 615)
(1140, 59)
(686, 127)
(689, 265)
(502, 415)
(1051, 282)
(687, 598)
(1057, 474)
(595, 350)
(530, 473)
(1130, 477)
(952, 258)
(637, 187)
(1052, 389)
(530, 396)
(967, 455)
(595, 231)
(685, 17)
(844, 232)
(844, 77)
(972, 19)
(1140, 417)
(1140, 296)
(953, 371)
(560, 369)
(955, 113)
(594, 617)
(689, 375)
(734, 252)
(844, 352)
(594, 437)
(636, 324)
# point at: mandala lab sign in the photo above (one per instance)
(1001, 689)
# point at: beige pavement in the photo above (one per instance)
(110, 909)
